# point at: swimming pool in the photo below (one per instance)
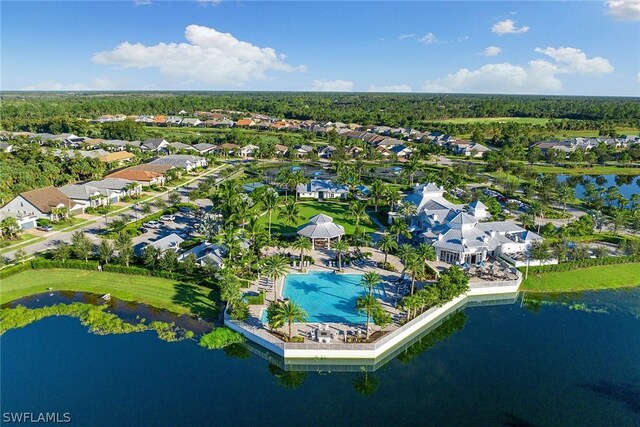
(327, 297)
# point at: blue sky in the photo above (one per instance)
(576, 48)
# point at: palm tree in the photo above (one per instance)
(405, 251)
(276, 267)
(341, 247)
(367, 304)
(536, 207)
(377, 192)
(408, 210)
(269, 201)
(290, 213)
(618, 218)
(105, 251)
(387, 244)
(301, 244)
(426, 252)
(415, 266)
(124, 246)
(291, 312)
(393, 195)
(369, 280)
(399, 228)
(357, 211)
(566, 193)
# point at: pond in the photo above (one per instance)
(566, 360)
(627, 184)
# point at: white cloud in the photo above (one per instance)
(508, 26)
(429, 38)
(406, 36)
(537, 76)
(332, 86)
(503, 78)
(96, 84)
(389, 88)
(624, 10)
(572, 60)
(211, 57)
(491, 51)
(142, 2)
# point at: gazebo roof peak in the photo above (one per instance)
(321, 219)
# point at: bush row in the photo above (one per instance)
(583, 263)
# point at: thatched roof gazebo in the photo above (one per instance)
(322, 231)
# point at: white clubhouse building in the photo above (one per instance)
(458, 233)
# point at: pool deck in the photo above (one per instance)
(346, 339)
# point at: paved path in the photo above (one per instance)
(92, 228)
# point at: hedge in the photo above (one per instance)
(42, 264)
(583, 263)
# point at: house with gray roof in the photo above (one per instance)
(154, 144)
(321, 189)
(120, 145)
(182, 161)
(204, 147)
(170, 242)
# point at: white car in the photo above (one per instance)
(152, 224)
(168, 217)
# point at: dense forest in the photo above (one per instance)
(417, 110)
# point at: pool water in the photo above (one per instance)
(327, 297)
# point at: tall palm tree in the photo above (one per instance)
(105, 251)
(426, 252)
(124, 246)
(566, 193)
(377, 192)
(393, 195)
(269, 201)
(408, 210)
(340, 247)
(367, 304)
(619, 217)
(399, 228)
(387, 244)
(275, 268)
(369, 280)
(291, 312)
(301, 244)
(290, 213)
(359, 214)
(415, 266)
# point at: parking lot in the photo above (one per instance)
(183, 226)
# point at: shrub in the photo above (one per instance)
(15, 269)
(386, 266)
(582, 263)
(220, 338)
(256, 299)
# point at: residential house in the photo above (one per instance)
(155, 144)
(143, 177)
(280, 149)
(321, 189)
(248, 150)
(207, 254)
(180, 146)
(182, 161)
(303, 150)
(401, 150)
(204, 147)
(42, 203)
(190, 122)
(117, 188)
(88, 196)
(227, 148)
(326, 151)
(245, 122)
(119, 145)
(25, 221)
(468, 148)
(167, 243)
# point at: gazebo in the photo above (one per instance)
(321, 230)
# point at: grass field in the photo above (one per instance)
(585, 279)
(338, 211)
(594, 170)
(532, 120)
(165, 294)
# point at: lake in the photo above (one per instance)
(627, 185)
(563, 361)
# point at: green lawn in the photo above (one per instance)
(585, 279)
(459, 120)
(337, 210)
(22, 238)
(171, 295)
(594, 170)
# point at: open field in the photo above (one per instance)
(338, 211)
(594, 170)
(584, 279)
(462, 120)
(171, 295)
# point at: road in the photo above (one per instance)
(92, 229)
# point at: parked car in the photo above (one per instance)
(184, 209)
(143, 230)
(189, 215)
(45, 228)
(168, 217)
(152, 224)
